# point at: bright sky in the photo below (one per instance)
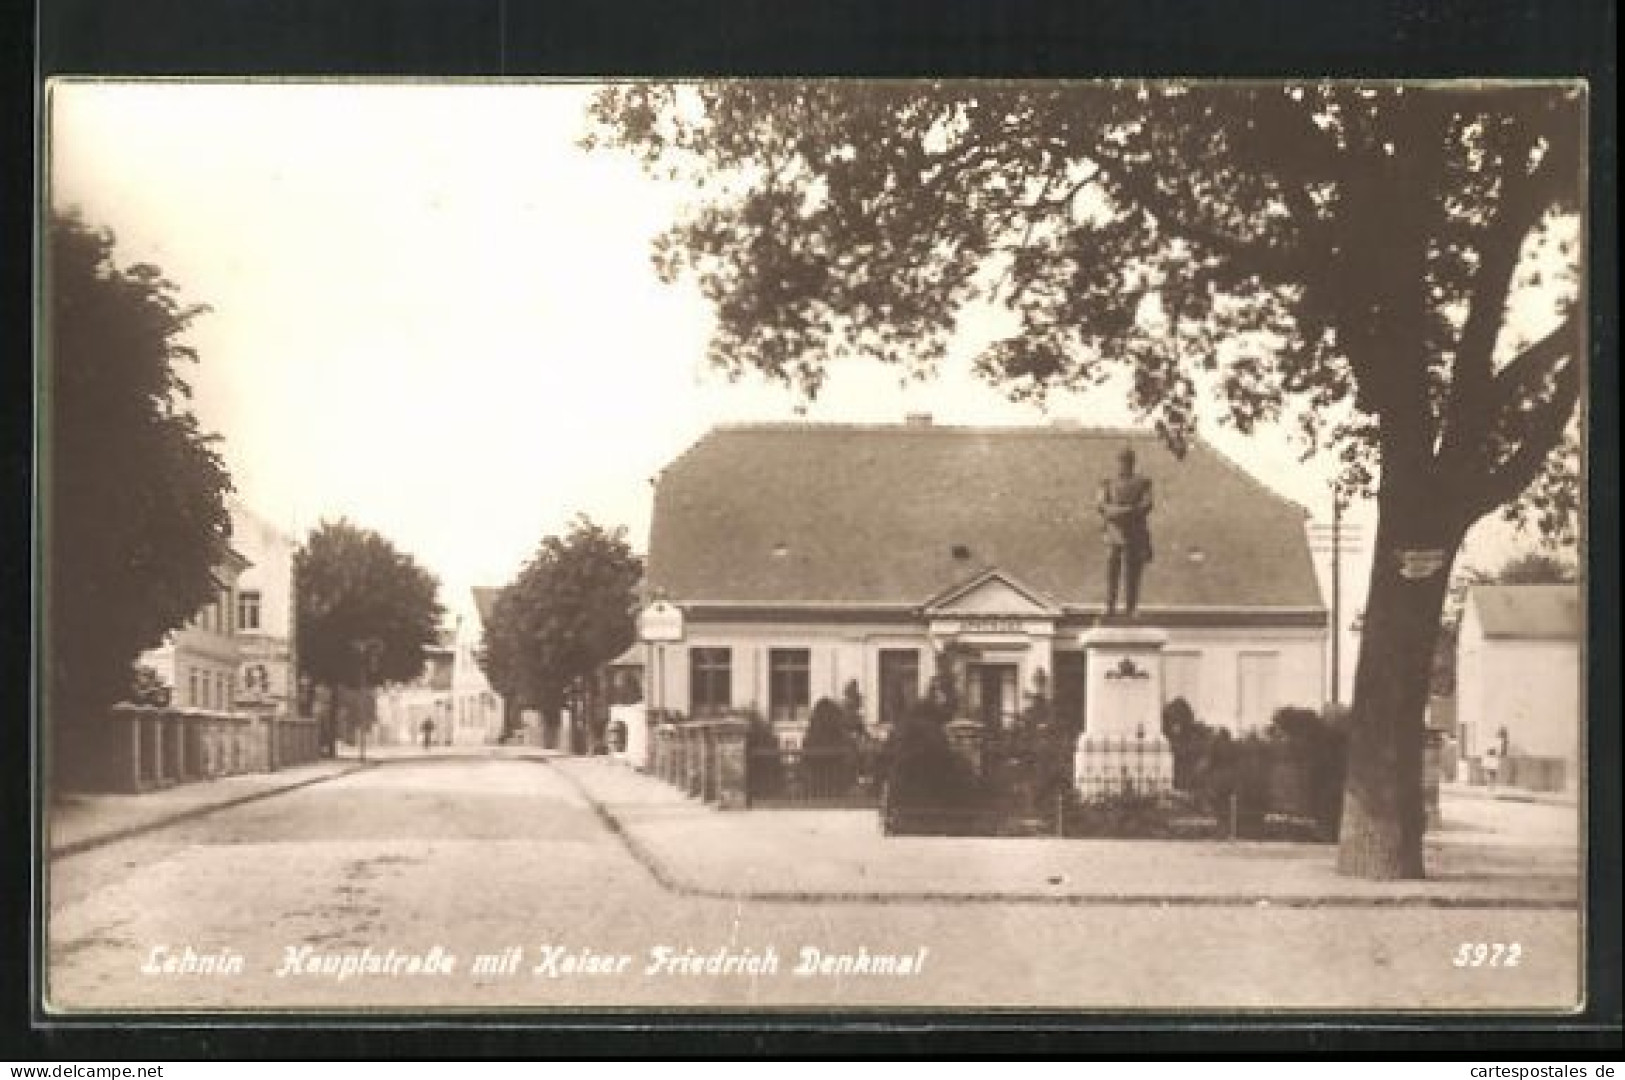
(435, 315)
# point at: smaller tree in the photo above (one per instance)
(1537, 568)
(366, 610)
(571, 610)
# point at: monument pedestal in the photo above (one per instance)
(1122, 750)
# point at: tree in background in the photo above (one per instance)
(1342, 256)
(134, 510)
(570, 611)
(366, 611)
(1537, 568)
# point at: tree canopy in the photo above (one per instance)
(571, 609)
(1392, 268)
(134, 511)
(354, 588)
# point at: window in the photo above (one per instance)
(192, 699)
(789, 683)
(710, 681)
(248, 610)
(899, 683)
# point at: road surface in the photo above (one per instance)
(489, 884)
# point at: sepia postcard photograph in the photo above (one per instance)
(819, 545)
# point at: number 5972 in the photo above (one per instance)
(1487, 954)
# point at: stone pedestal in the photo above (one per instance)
(1123, 673)
(1122, 749)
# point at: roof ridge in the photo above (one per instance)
(928, 429)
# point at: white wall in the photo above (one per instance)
(842, 652)
(1297, 657)
(1530, 687)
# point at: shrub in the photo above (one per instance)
(1318, 746)
(764, 770)
(921, 769)
(1138, 815)
(830, 749)
(1188, 739)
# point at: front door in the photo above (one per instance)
(993, 694)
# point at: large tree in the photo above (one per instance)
(1344, 257)
(571, 609)
(134, 501)
(366, 611)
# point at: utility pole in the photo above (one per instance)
(1337, 595)
(1335, 540)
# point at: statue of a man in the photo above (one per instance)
(1125, 511)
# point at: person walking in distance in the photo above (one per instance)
(1125, 512)
(427, 727)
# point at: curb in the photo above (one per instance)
(671, 883)
(89, 843)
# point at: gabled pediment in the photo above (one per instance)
(994, 592)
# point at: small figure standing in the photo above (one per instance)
(427, 727)
(1125, 511)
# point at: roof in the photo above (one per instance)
(871, 515)
(1527, 611)
(485, 602)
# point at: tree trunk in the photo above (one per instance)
(1383, 811)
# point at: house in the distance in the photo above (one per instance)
(264, 622)
(812, 561)
(1518, 685)
(402, 708)
(476, 709)
(199, 662)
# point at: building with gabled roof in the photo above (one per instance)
(807, 557)
(1518, 678)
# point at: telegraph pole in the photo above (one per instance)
(1337, 596)
(1335, 540)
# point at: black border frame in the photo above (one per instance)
(987, 38)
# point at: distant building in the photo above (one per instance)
(809, 561)
(263, 613)
(1518, 685)
(402, 708)
(200, 662)
(476, 708)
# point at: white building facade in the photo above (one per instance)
(1518, 685)
(851, 562)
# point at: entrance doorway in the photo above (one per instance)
(993, 694)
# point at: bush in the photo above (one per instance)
(922, 771)
(1139, 816)
(830, 749)
(1318, 746)
(764, 771)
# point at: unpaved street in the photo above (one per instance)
(453, 883)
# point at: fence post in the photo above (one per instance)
(708, 762)
(732, 764)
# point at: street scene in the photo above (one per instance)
(416, 855)
(1087, 547)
